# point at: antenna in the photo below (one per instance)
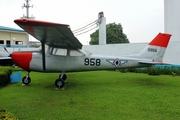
(27, 6)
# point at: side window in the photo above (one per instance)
(59, 51)
(75, 53)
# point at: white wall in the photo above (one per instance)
(172, 54)
(172, 18)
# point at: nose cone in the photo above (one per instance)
(22, 59)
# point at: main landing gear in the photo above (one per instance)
(59, 83)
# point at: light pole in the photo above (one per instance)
(14, 42)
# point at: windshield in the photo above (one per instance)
(39, 50)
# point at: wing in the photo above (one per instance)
(52, 34)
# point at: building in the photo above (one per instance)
(11, 37)
(172, 18)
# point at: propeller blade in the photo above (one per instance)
(6, 51)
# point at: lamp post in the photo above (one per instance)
(14, 40)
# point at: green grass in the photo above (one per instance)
(99, 95)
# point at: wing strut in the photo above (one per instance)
(43, 56)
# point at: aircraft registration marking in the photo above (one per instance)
(92, 62)
(152, 50)
(116, 62)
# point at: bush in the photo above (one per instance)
(123, 70)
(5, 73)
(166, 70)
(4, 115)
(153, 70)
(157, 70)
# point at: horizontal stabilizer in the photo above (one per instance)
(153, 63)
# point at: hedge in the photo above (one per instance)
(5, 73)
(158, 69)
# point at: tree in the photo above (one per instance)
(114, 34)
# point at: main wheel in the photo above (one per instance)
(59, 83)
(26, 80)
(64, 77)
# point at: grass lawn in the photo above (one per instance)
(98, 95)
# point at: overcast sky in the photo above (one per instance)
(141, 20)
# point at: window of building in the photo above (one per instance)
(1, 41)
(18, 42)
(8, 43)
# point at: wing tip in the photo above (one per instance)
(38, 22)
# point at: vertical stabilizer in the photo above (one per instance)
(155, 50)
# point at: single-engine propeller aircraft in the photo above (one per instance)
(61, 52)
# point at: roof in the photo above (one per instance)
(10, 29)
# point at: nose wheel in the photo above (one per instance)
(26, 80)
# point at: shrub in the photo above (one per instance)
(131, 69)
(154, 70)
(123, 70)
(5, 73)
(4, 115)
(166, 70)
(157, 70)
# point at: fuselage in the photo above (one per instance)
(58, 60)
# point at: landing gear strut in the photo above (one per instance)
(63, 76)
(26, 79)
(59, 83)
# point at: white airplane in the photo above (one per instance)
(63, 52)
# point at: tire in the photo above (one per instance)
(64, 77)
(59, 83)
(26, 80)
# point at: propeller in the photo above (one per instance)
(9, 55)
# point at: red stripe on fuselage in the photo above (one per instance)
(22, 59)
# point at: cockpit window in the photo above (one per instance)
(75, 53)
(63, 52)
(88, 53)
(59, 51)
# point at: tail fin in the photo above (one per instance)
(155, 50)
